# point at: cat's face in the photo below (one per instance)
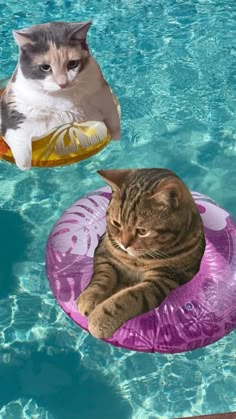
(149, 212)
(54, 54)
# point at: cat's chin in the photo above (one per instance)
(128, 251)
(132, 253)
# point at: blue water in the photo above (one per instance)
(172, 64)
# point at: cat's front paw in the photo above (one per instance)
(21, 149)
(101, 323)
(23, 164)
(115, 135)
(86, 302)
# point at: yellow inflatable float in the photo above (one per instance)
(65, 144)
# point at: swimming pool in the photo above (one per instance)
(172, 65)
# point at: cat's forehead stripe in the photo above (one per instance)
(129, 206)
(133, 192)
(56, 32)
(131, 199)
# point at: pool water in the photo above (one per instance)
(172, 65)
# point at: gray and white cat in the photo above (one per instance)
(56, 81)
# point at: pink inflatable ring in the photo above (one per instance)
(194, 315)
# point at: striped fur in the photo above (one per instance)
(153, 244)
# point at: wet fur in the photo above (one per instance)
(34, 103)
(133, 274)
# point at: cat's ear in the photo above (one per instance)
(22, 38)
(169, 192)
(79, 30)
(115, 178)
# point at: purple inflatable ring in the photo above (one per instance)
(194, 315)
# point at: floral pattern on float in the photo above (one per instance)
(193, 315)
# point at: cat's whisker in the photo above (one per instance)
(156, 254)
(161, 254)
(115, 244)
(149, 254)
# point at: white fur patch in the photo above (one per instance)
(48, 110)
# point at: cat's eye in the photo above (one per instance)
(73, 64)
(116, 224)
(46, 68)
(142, 232)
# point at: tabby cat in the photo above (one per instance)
(56, 81)
(154, 242)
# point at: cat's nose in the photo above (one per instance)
(62, 85)
(126, 240)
